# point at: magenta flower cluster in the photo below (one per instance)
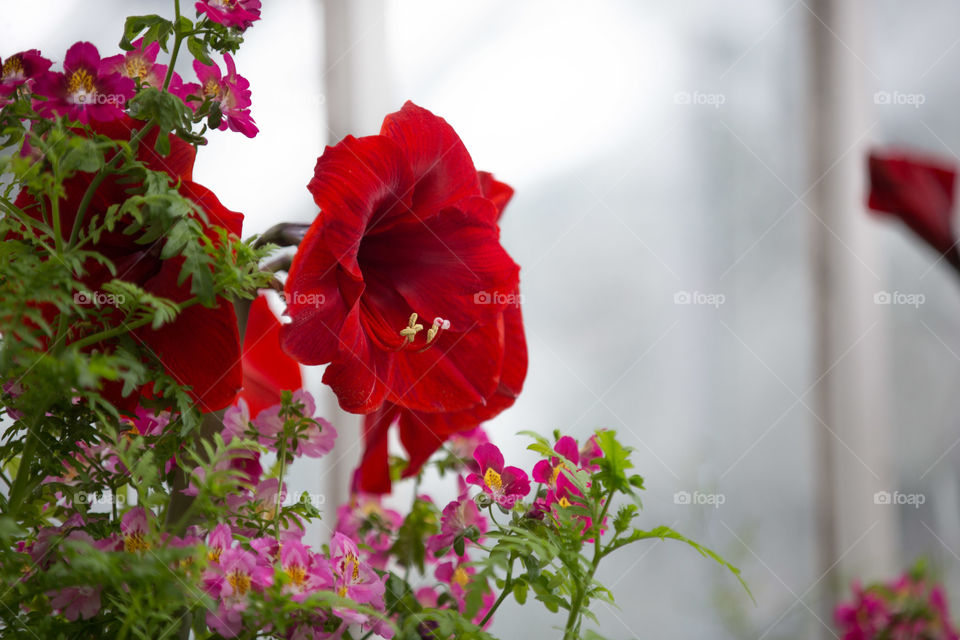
(910, 607)
(94, 89)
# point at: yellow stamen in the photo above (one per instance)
(136, 67)
(214, 555)
(492, 479)
(81, 81)
(239, 581)
(134, 542)
(211, 88)
(298, 575)
(412, 329)
(460, 577)
(342, 591)
(563, 502)
(12, 66)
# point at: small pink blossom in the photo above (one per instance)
(461, 518)
(365, 518)
(76, 602)
(315, 442)
(231, 13)
(231, 92)
(506, 485)
(85, 91)
(20, 70)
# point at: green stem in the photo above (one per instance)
(20, 484)
(507, 590)
(572, 628)
(177, 39)
(125, 328)
(282, 453)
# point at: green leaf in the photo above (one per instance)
(664, 532)
(198, 49)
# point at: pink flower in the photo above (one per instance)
(85, 91)
(231, 93)
(138, 64)
(305, 570)
(547, 471)
(236, 574)
(461, 519)
(505, 484)
(231, 13)
(365, 518)
(76, 602)
(457, 574)
(134, 527)
(315, 442)
(464, 443)
(352, 578)
(147, 423)
(19, 70)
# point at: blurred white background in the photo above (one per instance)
(657, 149)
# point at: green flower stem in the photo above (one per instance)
(126, 327)
(282, 458)
(177, 39)
(21, 483)
(572, 628)
(507, 590)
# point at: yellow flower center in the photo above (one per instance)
(13, 66)
(563, 502)
(81, 86)
(240, 581)
(460, 577)
(136, 67)
(134, 542)
(298, 574)
(492, 479)
(214, 555)
(211, 88)
(371, 508)
(342, 591)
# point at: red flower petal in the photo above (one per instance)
(442, 167)
(201, 348)
(217, 214)
(917, 190)
(373, 474)
(440, 266)
(497, 192)
(266, 369)
(358, 183)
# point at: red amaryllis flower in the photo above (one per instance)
(423, 432)
(405, 232)
(267, 370)
(201, 347)
(919, 191)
